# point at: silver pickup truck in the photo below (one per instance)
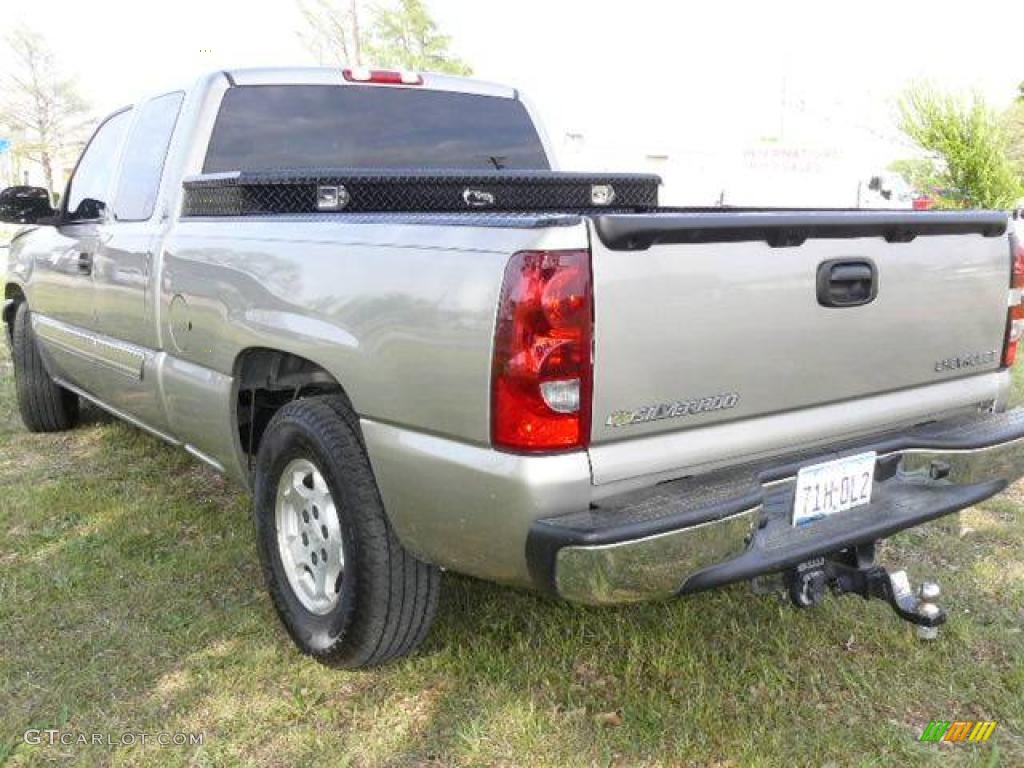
(368, 297)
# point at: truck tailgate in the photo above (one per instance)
(700, 321)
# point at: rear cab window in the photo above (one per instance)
(297, 127)
(144, 156)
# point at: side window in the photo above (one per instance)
(144, 158)
(87, 192)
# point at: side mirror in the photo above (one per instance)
(25, 205)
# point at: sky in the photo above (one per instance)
(710, 89)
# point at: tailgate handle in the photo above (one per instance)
(847, 282)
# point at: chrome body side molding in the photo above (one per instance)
(126, 359)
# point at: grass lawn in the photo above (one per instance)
(130, 601)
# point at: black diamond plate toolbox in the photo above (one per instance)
(268, 192)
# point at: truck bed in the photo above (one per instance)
(710, 317)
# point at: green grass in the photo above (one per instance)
(130, 601)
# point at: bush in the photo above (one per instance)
(967, 145)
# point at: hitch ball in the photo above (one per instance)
(807, 589)
(928, 593)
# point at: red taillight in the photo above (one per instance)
(923, 203)
(542, 376)
(1015, 317)
(381, 76)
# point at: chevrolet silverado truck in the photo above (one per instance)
(370, 298)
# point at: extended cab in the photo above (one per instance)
(368, 297)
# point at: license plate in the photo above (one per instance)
(834, 486)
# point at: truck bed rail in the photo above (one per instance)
(782, 228)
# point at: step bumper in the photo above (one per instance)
(697, 533)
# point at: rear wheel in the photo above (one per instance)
(45, 406)
(347, 591)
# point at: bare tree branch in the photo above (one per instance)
(332, 31)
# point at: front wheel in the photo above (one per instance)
(346, 590)
(45, 406)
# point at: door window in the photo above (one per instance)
(90, 186)
(144, 158)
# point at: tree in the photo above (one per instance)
(407, 37)
(403, 37)
(39, 103)
(967, 146)
(1014, 122)
(333, 32)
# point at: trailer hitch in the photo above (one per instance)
(853, 572)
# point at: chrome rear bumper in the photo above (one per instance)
(650, 568)
(698, 533)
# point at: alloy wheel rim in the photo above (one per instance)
(309, 537)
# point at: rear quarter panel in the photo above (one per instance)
(401, 315)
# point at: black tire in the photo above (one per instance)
(388, 598)
(45, 406)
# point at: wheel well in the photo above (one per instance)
(13, 294)
(267, 380)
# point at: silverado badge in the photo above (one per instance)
(673, 410)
